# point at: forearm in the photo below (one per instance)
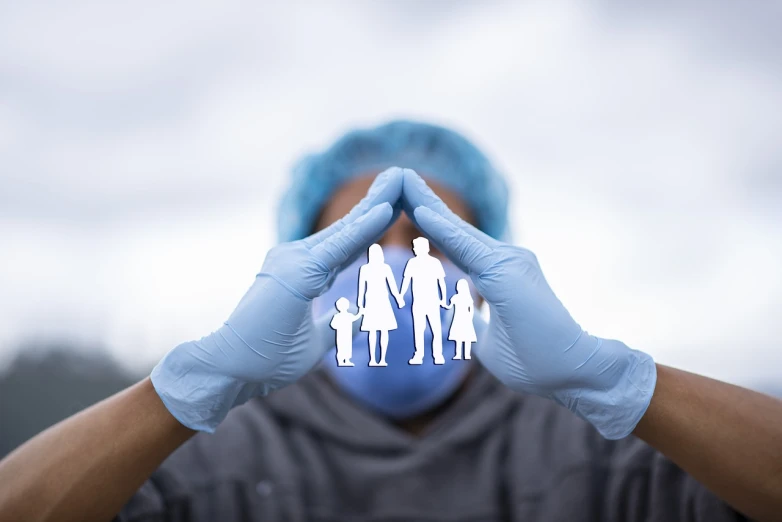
(87, 466)
(728, 438)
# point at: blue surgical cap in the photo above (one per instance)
(434, 152)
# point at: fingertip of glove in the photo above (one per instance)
(385, 174)
(378, 210)
(425, 212)
(385, 206)
(390, 173)
(384, 180)
(383, 210)
(413, 179)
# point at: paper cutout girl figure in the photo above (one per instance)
(342, 322)
(374, 281)
(462, 331)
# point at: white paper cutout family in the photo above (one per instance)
(429, 294)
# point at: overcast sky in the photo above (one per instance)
(144, 145)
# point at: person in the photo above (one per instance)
(374, 280)
(547, 422)
(429, 294)
(342, 322)
(462, 330)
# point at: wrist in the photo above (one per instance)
(619, 390)
(193, 389)
(153, 407)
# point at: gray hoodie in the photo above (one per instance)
(307, 452)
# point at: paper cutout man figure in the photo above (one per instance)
(374, 281)
(428, 278)
(342, 322)
(462, 331)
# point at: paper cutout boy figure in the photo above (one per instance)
(428, 278)
(342, 322)
(462, 330)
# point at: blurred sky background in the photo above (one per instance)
(144, 145)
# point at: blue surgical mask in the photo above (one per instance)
(398, 390)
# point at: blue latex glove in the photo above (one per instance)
(531, 343)
(271, 340)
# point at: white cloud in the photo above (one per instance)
(148, 144)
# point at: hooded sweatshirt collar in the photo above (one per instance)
(316, 404)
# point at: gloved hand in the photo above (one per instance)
(531, 343)
(271, 340)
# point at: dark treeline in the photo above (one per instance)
(45, 385)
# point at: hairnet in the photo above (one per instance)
(434, 152)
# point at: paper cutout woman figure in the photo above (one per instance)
(342, 322)
(462, 331)
(374, 281)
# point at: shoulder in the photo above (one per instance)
(435, 263)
